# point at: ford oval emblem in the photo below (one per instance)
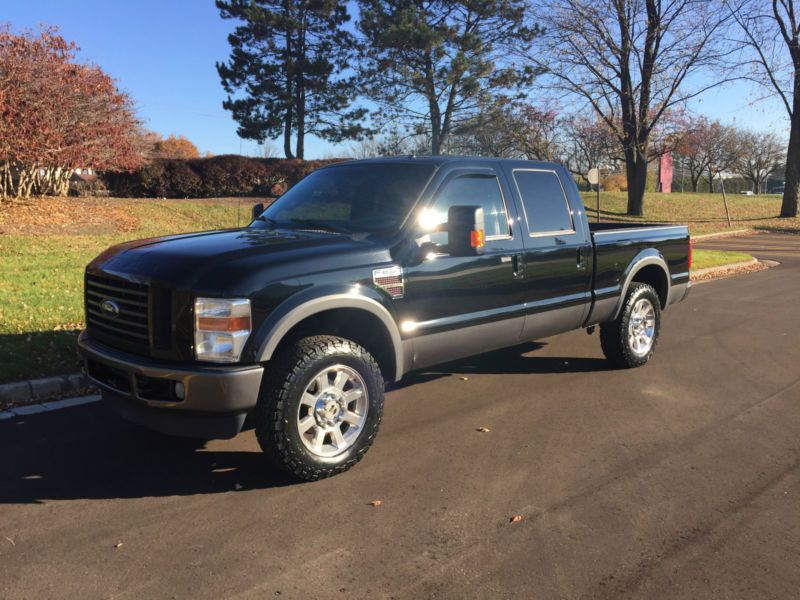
(109, 308)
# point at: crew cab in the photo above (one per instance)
(360, 273)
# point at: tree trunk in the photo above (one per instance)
(636, 174)
(791, 192)
(436, 129)
(695, 182)
(288, 116)
(300, 105)
(301, 118)
(5, 181)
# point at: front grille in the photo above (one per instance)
(124, 322)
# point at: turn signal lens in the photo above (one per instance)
(477, 239)
(221, 328)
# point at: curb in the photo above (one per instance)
(49, 406)
(723, 268)
(30, 391)
(720, 234)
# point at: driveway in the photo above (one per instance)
(680, 479)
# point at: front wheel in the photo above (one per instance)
(630, 340)
(320, 407)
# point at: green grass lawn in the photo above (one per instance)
(41, 281)
(702, 212)
(703, 259)
(41, 268)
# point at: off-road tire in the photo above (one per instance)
(614, 334)
(285, 380)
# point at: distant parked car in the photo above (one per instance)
(747, 192)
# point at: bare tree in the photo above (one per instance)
(771, 32)
(630, 60)
(761, 155)
(268, 149)
(366, 148)
(518, 130)
(723, 149)
(706, 149)
(588, 142)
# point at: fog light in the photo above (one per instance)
(180, 391)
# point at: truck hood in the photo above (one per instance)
(238, 261)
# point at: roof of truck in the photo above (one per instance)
(439, 160)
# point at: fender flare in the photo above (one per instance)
(296, 309)
(649, 256)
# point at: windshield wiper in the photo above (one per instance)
(323, 225)
(271, 222)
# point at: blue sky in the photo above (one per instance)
(163, 54)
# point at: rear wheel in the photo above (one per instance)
(630, 340)
(320, 407)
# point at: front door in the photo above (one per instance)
(461, 305)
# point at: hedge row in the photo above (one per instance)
(218, 176)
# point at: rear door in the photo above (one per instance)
(461, 305)
(557, 280)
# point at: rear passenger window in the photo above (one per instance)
(473, 190)
(546, 207)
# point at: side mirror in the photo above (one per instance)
(465, 231)
(257, 210)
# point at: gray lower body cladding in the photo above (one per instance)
(194, 401)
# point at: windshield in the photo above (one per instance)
(357, 198)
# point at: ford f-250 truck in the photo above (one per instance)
(360, 273)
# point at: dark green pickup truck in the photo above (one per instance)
(362, 272)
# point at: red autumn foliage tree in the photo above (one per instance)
(174, 146)
(707, 149)
(56, 115)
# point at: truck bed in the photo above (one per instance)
(619, 245)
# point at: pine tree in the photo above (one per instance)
(433, 65)
(287, 72)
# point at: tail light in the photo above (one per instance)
(691, 246)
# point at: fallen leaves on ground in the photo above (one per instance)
(118, 545)
(376, 503)
(65, 216)
(516, 518)
(483, 429)
(730, 272)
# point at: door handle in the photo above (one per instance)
(518, 265)
(581, 262)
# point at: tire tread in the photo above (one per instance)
(613, 334)
(270, 416)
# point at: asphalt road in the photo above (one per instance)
(677, 480)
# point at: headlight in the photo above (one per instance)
(221, 328)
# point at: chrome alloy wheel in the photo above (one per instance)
(333, 410)
(642, 327)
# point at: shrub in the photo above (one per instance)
(616, 182)
(181, 180)
(217, 176)
(95, 187)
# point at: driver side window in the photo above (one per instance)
(473, 190)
